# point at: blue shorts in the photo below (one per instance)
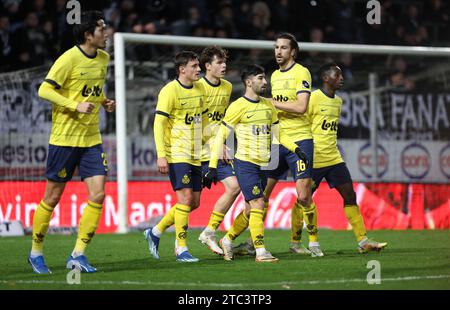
(223, 170)
(288, 161)
(184, 175)
(251, 179)
(62, 161)
(335, 175)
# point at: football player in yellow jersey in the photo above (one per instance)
(178, 128)
(74, 86)
(255, 122)
(218, 92)
(291, 89)
(324, 110)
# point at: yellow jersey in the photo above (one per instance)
(217, 101)
(183, 106)
(252, 122)
(285, 86)
(324, 112)
(79, 78)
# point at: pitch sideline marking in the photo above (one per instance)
(194, 284)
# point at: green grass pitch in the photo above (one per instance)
(413, 260)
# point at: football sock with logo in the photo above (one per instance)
(167, 221)
(181, 223)
(256, 225)
(355, 219)
(239, 225)
(41, 221)
(266, 208)
(310, 218)
(215, 220)
(87, 227)
(296, 223)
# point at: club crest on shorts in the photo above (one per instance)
(256, 190)
(62, 173)
(185, 179)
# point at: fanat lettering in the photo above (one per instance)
(196, 119)
(260, 129)
(333, 126)
(94, 91)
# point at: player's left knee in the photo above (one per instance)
(233, 190)
(350, 198)
(98, 196)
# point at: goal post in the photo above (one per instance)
(121, 39)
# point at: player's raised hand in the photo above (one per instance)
(109, 105)
(85, 107)
(163, 165)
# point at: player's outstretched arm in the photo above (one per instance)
(158, 129)
(299, 106)
(48, 92)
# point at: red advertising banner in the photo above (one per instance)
(383, 205)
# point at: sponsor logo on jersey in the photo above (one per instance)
(91, 91)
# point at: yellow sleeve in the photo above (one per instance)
(163, 109)
(54, 80)
(311, 107)
(47, 91)
(303, 81)
(60, 71)
(231, 119)
(158, 131)
(166, 101)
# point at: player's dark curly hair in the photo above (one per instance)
(292, 41)
(325, 69)
(251, 70)
(208, 53)
(88, 23)
(182, 58)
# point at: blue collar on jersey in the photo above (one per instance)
(285, 70)
(326, 94)
(184, 86)
(209, 82)
(87, 55)
(252, 101)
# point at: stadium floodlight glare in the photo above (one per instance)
(121, 39)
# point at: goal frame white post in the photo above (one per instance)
(120, 39)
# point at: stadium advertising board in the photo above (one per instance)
(384, 206)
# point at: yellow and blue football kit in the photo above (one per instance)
(75, 139)
(286, 85)
(324, 112)
(217, 101)
(75, 77)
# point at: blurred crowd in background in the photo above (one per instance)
(35, 32)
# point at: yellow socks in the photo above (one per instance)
(167, 221)
(266, 207)
(239, 225)
(256, 225)
(41, 221)
(87, 227)
(310, 218)
(181, 224)
(296, 223)
(355, 219)
(215, 220)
